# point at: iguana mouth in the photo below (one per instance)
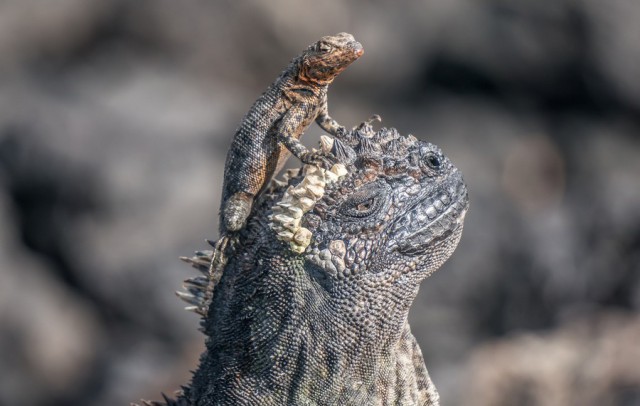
(432, 221)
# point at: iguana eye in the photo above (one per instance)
(360, 209)
(365, 206)
(363, 203)
(433, 161)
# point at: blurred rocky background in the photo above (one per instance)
(115, 118)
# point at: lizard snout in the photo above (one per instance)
(357, 49)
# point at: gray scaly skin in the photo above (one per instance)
(329, 326)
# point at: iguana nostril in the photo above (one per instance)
(431, 212)
(438, 205)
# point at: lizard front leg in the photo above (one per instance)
(288, 130)
(327, 123)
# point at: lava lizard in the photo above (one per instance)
(272, 127)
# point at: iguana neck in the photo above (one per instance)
(284, 339)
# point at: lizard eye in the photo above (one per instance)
(322, 47)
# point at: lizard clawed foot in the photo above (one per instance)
(375, 117)
(324, 160)
(367, 123)
(341, 133)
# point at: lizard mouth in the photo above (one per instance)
(357, 49)
(433, 221)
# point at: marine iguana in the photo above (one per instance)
(327, 324)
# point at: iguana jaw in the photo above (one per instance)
(432, 221)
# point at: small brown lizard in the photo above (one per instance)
(274, 124)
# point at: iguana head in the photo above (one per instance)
(397, 215)
(323, 61)
(378, 231)
(312, 305)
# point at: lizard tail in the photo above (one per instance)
(236, 211)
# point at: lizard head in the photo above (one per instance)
(393, 219)
(323, 61)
